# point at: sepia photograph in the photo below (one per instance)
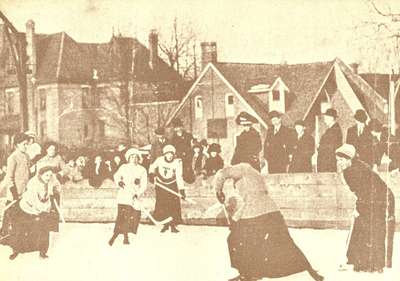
(199, 140)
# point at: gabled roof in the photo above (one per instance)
(303, 80)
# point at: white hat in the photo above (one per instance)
(30, 134)
(130, 152)
(347, 151)
(169, 149)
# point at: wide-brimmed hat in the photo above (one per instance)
(361, 115)
(273, 114)
(245, 118)
(214, 147)
(30, 134)
(347, 151)
(300, 123)
(159, 131)
(331, 112)
(132, 151)
(45, 169)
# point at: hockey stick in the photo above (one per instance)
(173, 192)
(59, 211)
(342, 267)
(226, 213)
(9, 205)
(152, 219)
(4, 237)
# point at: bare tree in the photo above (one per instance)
(178, 47)
(379, 37)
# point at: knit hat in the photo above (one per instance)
(169, 149)
(45, 169)
(245, 118)
(361, 115)
(347, 151)
(30, 134)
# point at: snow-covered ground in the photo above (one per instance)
(197, 253)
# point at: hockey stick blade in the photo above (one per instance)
(153, 220)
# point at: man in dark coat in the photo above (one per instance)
(379, 142)
(248, 143)
(182, 141)
(360, 137)
(374, 205)
(157, 145)
(278, 145)
(331, 140)
(303, 149)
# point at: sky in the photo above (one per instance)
(270, 31)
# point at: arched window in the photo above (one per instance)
(198, 107)
(229, 105)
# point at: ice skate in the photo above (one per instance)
(165, 228)
(174, 229)
(13, 256)
(43, 256)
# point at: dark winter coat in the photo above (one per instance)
(183, 146)
(303, 149)
(213, 165)
(156, 149)
(247, 150)
(331, 140)
(96, 178)
(367, 242)
(277, 148)
(362, 143)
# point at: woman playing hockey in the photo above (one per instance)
(131, 179)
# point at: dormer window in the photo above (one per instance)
(229, 105)
(277, 96)
(198, 107)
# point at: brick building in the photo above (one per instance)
(87, 93)
(300, 91)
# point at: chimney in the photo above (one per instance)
(208, 53)
(354, 66)
(30, 47)
(153, 47)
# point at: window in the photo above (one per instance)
(85, 97)
(86, 131)
(43, 129)
(275, 95)
(229, 105)
(198, 110)
(11, 102)
(42, 99)
(101, 128)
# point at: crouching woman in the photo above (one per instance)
(34, 216)
(259, 242)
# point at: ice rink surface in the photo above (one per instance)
(198, 253)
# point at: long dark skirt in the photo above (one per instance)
(168, 204)
(127, 220)
(367, 247)
(28, 233)
(255, 256)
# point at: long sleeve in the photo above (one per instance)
(179, 174)
(118, 175)
(153, 166)
(10, 174)
(233, 172)
(143, 182)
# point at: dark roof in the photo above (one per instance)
(61, 59)
(303, 80)
(380, 82)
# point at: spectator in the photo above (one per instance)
(53, 159)
(116, 163)
(198, 160)
(214, 163)
(121, 150)
(278, 145)
(157, 145)
(205, 146)
(331, 140)
(303, 149)
(248, 143)
(360, 137)
(97, 172)
(34, 150)
(379, 142)
(182, 140)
